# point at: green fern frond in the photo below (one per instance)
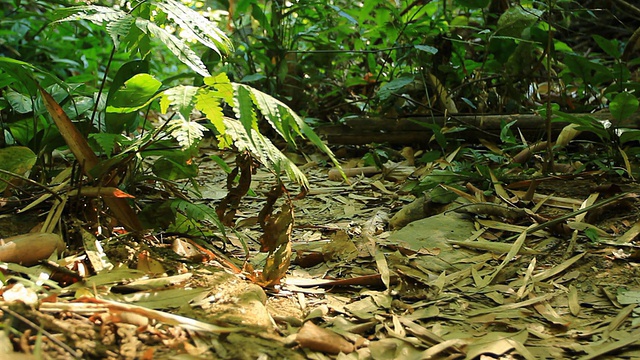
(198, 212)
(107, 142)
(243, 108)
(208, 102)
(176, 45)
(264, 150)
(279, 115)
(179, 98)
(186, 132)
(118, 22)
(287, 123)
(94, 13)
(222, 85)
(203, 30)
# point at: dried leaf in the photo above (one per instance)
(316, 338)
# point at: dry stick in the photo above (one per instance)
(26, 179)
(570, 215)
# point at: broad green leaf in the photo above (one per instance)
(387, 89)
(174, 169)
(623, 106)
(17, 160)
(590, 72)
(136, 93)
(611, 47)
(18, 70)
(252, 78)
(628, 135)
(223, 85)
(116, 122)
(513, 21)
(19, 103)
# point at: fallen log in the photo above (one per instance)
(408, 130)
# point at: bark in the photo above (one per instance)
(364, 130)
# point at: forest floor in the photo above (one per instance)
(464, 282)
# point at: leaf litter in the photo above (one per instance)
(470, 277)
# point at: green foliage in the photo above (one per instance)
(133, 29)
(114, 123)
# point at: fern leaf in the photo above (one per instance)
(243, 108)
(118, 22)
(203, 29)
(197, 212)
(107, 142)
(120, 28)
(285, 121)
(279, 115)
(264, 150)
(209, 103)
(94, 13)
(186, 132)
(179, 98)
(223, 86)
(176, 45)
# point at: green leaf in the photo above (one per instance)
(107, 141)
(200, 27)
(186, 132)
(506, 135)
(387, 89)
(276, 114)
(19, 103)
(628, 135)
(623, 106)
(179, 98)
(243, 108)
(264, 151)
(174, 168)
(513, 21)
(15, 159)
(223, 85)
(611, 47)
(176, 45)
(209, 104)
(136, 93)
(115, 122)
(426, 48)
(590, 72)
